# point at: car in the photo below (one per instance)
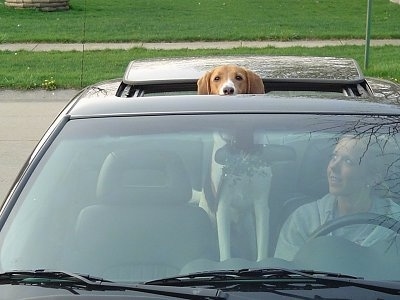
(141, 188)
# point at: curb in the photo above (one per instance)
(43, 47)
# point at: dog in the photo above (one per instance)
(233, 195)
(230, 80)
(239, 200)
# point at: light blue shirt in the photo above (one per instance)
(307, 218)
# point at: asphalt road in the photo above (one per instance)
(24, 117)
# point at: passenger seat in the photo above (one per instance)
(143, 226)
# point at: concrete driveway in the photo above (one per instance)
(24, 117)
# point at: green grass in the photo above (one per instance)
(28, 70)
(194, 20)
(185, 20)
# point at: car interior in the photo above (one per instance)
(140, 191)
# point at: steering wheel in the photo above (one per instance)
(360, 218)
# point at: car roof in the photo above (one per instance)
(100, 105)
(279, 73)
(181, 74)
(290, 75)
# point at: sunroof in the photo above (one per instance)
(289, 68)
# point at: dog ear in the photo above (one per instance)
(255, 84)
(203, 84)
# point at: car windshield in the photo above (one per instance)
(137, 198)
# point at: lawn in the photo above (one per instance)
(185, 20)
(205, 20)
(28, 70)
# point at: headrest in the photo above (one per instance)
(143, 176)
(312, 179)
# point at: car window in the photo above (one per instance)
(144, 197)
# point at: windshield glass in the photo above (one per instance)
(132, 199)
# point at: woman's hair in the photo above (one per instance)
(372, 150)
(376, 151)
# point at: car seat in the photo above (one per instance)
(143, 226)
(311, 182)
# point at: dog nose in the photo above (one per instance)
(228, 90)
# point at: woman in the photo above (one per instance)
(354, 170)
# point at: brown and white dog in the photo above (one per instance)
(230, 80)
(247, 194)
(238, 196)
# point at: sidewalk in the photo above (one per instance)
(37, 47)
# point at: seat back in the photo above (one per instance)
(309, 183)
(143, 226)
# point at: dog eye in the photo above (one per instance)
(216, 78)
(238, 77)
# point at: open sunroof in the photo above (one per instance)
(270, 68)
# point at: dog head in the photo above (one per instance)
(230, 80)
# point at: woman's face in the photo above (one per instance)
(347, 174)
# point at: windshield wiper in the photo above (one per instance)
(275, 277)
(73, 281)
(242, 275)
(31, 277)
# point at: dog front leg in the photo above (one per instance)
(262, 213)
(224, 228)
(262, 229)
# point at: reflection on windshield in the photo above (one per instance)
(135, 199)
